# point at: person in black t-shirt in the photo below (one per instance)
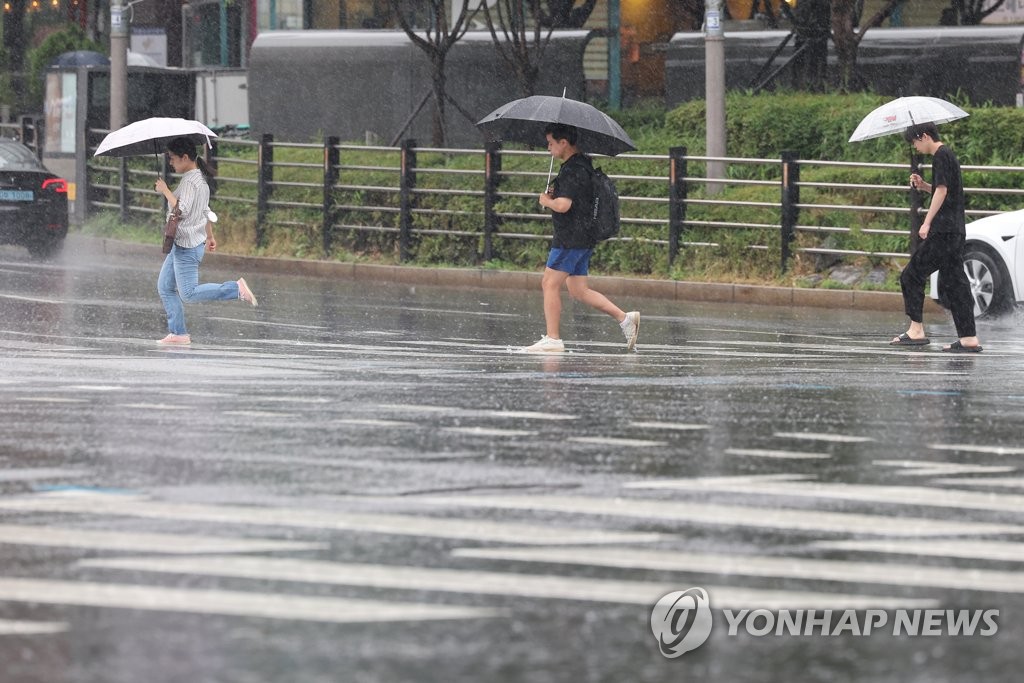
(570, 199)
(943, 234)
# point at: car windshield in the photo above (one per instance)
(17, 155)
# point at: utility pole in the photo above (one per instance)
(714, 75)
(614, 56)
(118, 65)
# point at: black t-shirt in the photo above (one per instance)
(946, 171)
(572, 228)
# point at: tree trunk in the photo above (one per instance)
(439, 99)
(845, 39)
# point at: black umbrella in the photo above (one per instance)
(524, 121)
(80, 58)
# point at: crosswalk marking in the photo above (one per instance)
(1001, 482)
(970, 448)
(232, 603)
(680, 426)
(10, 627)
(141, 542)
(894, 495)
(753, 565)
(814, 436)
(404, 525)
(489, 431)
(767, 453)
(999, 551)
(368, 422)
(489, 583)
(30, 473)
(729, 515)
(925, 468)
(615, 441)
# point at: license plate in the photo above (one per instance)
(17, 195)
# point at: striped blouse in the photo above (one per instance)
(193, 197)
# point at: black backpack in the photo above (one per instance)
(604, 218)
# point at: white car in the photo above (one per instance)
(994, 261)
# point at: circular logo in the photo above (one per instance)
(681, 621)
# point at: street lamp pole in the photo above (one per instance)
(118, 65)
(714, 72)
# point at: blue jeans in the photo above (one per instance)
(179, 283)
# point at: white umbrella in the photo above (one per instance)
(150, 136)
(902, 113)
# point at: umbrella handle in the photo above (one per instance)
(551, 167)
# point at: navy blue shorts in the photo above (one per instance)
(572, 261)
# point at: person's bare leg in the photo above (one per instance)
(581, 291)
(551, 285)
(916, 331)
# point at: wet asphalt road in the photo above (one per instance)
(366, 482)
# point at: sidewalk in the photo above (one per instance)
(501, 279)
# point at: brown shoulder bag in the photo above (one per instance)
(171, 229)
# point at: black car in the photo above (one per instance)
(33, 202)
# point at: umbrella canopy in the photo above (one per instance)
(80, 58)
(150, 136)
(524, 121)
(902, 113)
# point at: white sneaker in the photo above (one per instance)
(546, 345)
(245, 294)
(631, 328)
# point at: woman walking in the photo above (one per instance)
(178, 282)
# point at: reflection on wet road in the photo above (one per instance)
(372, 479)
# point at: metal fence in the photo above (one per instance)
(406, 193)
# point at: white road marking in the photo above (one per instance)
(30, 473)
(1005, 482)
(258, 414)
(1001, 551)
(728, 515)
(30, 628)
(401, 525)
(32, 299)
(969, 448)
(50, 399)
(763, 453)
(142, 542)
(488, 431)
(753, 565)
(232, 603)
(93, 387)
(924, 468)
(526, 414)
(613, 441)
(508, 414)
(375, 423)
(267, 323)
(669, 425)
(416, 408)
(813, 436)
(155, 406)
(892, 495)
(479, 582)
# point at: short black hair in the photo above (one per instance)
(560, 131)
(918, 131)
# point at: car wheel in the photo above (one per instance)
(989, 285)
(45, 248)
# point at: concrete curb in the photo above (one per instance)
(713, 292)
